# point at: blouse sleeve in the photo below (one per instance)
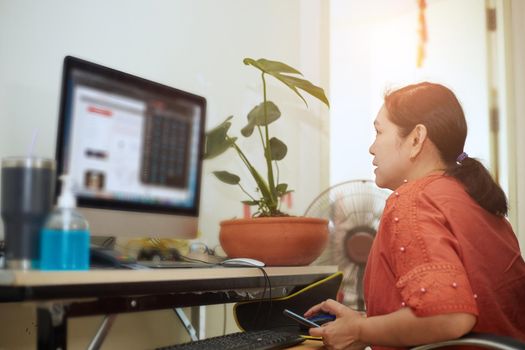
(426, 259)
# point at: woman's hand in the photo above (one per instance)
(401, 328)
(343, 332)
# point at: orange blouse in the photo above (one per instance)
(437, 251)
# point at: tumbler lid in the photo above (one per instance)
(28, 162)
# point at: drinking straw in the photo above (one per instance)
(31, 149)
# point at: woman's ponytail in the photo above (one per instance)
(436, 107)
(480, 185)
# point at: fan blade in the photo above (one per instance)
(351, 206)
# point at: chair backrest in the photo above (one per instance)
(482, 340)
(268, 313)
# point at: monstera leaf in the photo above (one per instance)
(217, 140)
(278, 149)
(227, 177)
(276, 69)
(258, 117)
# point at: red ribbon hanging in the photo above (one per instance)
(422, 33)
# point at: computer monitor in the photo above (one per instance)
(133, 148)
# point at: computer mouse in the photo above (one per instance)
(237, 262)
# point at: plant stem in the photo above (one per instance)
(268, 149)
(279, 198)
(241, 154)
(249, 195)
(277, 171)
(262, 137)
(265, 190)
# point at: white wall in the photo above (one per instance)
(192, 45)
(374, 49)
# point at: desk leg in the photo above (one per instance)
(198, 319)
(52, 328)
(102, 332)
(186, 323)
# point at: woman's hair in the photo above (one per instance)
(438, 109)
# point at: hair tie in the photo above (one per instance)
(461, 157)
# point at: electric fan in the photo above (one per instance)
(353, 209)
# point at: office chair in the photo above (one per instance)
(481, 340)
(270, 311)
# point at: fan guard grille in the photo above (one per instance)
(353, 210)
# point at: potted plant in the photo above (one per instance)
(302, 239)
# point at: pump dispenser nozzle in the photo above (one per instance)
(67, 198)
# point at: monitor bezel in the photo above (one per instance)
(71, 63)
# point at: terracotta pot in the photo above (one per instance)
(277, 241)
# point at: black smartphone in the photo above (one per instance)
(300, 319)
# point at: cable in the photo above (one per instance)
(267, 286)
(187, 258)
(267, 278)
(109, 242)
(225, 318)
(256, 316)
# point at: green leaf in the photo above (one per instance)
(308, 87)
(217, 140)
(293, 83)
(281, 189)
(256, 117)
(257, 113)
(275, 68)
(271, 67)
(278, 149)
(250, 202)
(227, 177)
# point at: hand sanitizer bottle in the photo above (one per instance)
(64, 240)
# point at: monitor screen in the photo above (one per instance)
(133, 148)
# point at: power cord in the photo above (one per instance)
(267, 279)
(109, 242)
(267, 287)
(189, 259)
(224, 319)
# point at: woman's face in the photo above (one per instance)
(391, 153)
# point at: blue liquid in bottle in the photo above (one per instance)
(64, 250)
(64, 239)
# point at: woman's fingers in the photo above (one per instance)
(313, 310)
(317, 332)
(333, 307)
(328, 306)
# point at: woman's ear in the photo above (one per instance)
(417, 136)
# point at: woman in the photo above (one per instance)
(445, 260)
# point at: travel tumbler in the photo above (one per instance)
(28, 185)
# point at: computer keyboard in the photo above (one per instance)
(250, 340)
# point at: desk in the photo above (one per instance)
(65, 294)
(309, 344)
